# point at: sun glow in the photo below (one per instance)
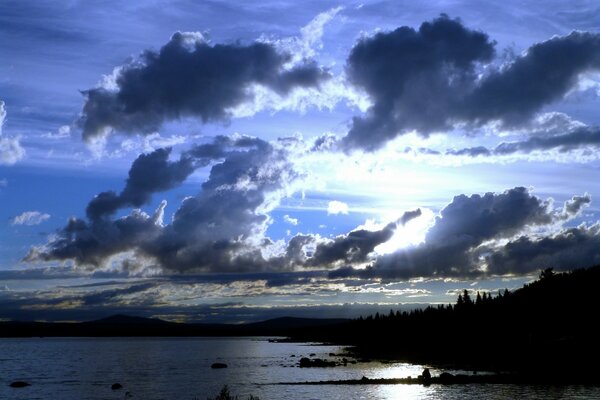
(410, 234)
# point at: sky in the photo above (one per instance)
(225, 162)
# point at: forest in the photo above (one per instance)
(547, 328)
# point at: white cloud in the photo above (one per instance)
(30, 218)
(290, 220)
(337, 207)
(63, 132)
(310, 40)
(10, 148)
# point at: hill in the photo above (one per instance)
(124, 325)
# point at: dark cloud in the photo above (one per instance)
(409, 216)
(568, 141)
(545, 73)
(470, 151)
(569, 249)
(574, 206)
(189, 77)
(428, 80)
(149, 173)
(563, 139)
(351, 248)
(451, 246)
(92, 243)
(415, 78)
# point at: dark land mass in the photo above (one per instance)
(123, 326)
(546, 331)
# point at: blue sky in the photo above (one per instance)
(220, 161)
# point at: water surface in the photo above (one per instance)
(179, 368)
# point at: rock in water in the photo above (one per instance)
(116, 386)
(19, 384)
(218, 365)
(317, 362)
(426, 374)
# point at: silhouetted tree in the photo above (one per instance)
(467, 298)
(460, 302)
(547, 273)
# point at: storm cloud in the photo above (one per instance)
(442, 74)
(188, 77)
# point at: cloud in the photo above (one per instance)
(290, 220)
(190, 77)
(455, 243)
(549, 132)
(310, 40)
(30, 218)
(415, 78)
(569, 249)
(409, 216)
(573, 207)
(93, 243)
(542, 75)
(337, 207)
(351, 248)
(11, 150)
(222, 228)
(354, 247)
(443, 75)
(564, 142)
(149, 173)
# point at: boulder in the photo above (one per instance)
(317, 362)
(218, 365)
(19, 384)
(426, 374)
(446, 377)
(116, 386)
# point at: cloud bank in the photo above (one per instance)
(466, 239)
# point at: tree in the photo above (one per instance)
(467, 298)
(547, 273)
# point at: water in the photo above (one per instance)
(179, 368)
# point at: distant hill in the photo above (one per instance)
(128, 320)
(124, 325)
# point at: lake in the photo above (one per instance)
(179, 368)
